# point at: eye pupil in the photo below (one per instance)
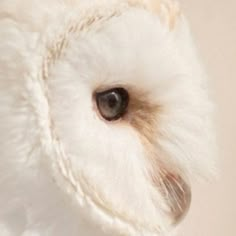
(112, 104)
(113, 100)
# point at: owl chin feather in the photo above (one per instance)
(64, 168)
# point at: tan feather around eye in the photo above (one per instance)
(174, 187)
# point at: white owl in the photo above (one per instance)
(105, 119)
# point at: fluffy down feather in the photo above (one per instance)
(63, 169)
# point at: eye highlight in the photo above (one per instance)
(113, 103)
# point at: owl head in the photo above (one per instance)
(106, 120)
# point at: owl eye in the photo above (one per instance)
(113, 103)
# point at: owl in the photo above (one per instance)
(105, 118)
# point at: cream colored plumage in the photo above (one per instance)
(64, 168)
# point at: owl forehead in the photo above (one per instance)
(126, 29)
(118, 52)
(167, 10)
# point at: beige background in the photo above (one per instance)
(213, 24)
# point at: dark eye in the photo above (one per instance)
(112, 104)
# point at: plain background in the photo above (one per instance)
(213, 24)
